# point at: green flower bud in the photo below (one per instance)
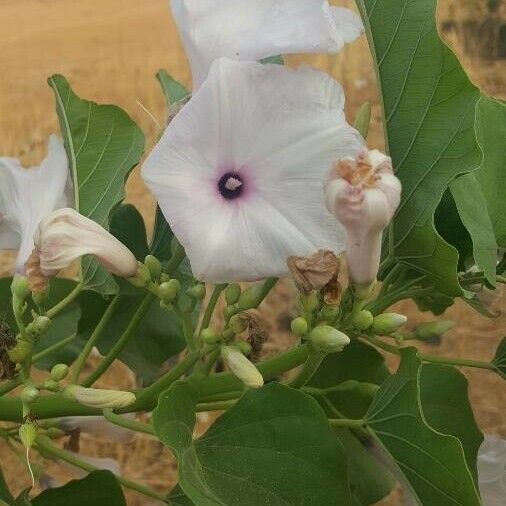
(186, 304)
(19, 287)
(20, 352)
(197, 292)
(237, 324)
(154, 266)
(232, 293)
(327, 339)
(210, 336)
(39, 326)
(230, 311)
(242, 367)
(244, 347)
(59, 372)
(433, 330)
(250, 298)
(98, 398)
(368, 389)
(29, 394)
(27, 433)
(387, 323)
(331, 312)
(227, 335)
(299, 326)
(168, 290)
(363, 320)
(142, 278)
(310, 302)
(51, 385)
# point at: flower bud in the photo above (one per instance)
(142, 277)
(51, 385)
(244, 347)
(237, 324)
(299, 326)
(363, 320)
(154, 266)
(363, 194)
(230, 311)
(433, 330)
(327, 339)
(98, 398)
(387, 323)
(38, 327)
(65, 235)
(251, 297)
(242, 367)
(197, 292)
(168, 290)
(368, 389)
(210, 336)
(20, 352)
(29, 394)
(232, 293)
(59, 372)
(27, 434)
(19, 287)
(330, 312)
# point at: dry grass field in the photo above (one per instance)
(110, 51)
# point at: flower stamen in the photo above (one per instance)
(230, 185)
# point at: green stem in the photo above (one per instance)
(211, 360)
(313, 361)
(44, 443)
(381, 305)
(120, 344)
(71, 297)
(10, 385)
(211, 305)
(54, 347)
(128, 423)
(188, 330)
(95, 336)
(347, 423)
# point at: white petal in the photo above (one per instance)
(256, 29)
(28, 195)
(280, 130)
(492, 471)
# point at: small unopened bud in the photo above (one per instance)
(331, 312)
(244, 347)
(242, 367)
(19, 287)
(39, 326)
(232, 293)
(433, 330)
(238, 324)
(210, 336)
(98, 398)
(29, 394)
(299, 326)
(27, 434)
(251, 297)
(51, 385)
(387, 323)
(65, 235)
(20, 352)
(168, 290)
(368, 389)
(310, 302)
(230, 311)
(363, 320)
(154, 266)
(142, 276)
(327, 339)
(59, 372)
(363, 194)
(197, 292)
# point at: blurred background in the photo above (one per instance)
(110, 50)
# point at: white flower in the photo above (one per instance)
(28, 195)
(66, 235)
(363, 194)
(238, 172)
(256, 29)
(492, 471)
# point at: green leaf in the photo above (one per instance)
(429, 108)
(100, 488)
(471, 205)
(173, 90)
(275, 60)
(178, 498)
(273, 447)
(5, 494)
(434, 463)
(491, 132)
(161, 242)
(358, 362)
(103, 145)
(128, 226)
(500, 359)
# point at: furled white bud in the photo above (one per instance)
(242, 367)
(363, 194)
(387, 323)
(65, 235)
(98, 398)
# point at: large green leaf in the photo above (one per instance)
(99, 488)
(430, 456)
(429, 108)
(103, 144)
(491, 132)
(128, 226)
(273, 447)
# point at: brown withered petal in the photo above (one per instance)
(257, 334)
(36, 280)
(314, 272)
(7, 342)
(332, 291)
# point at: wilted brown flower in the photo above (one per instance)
(257, 334)
(7, 342)
(36, 279)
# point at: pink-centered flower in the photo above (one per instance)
(238, 172)
(363, 194)
(28, 195)
(256, 29)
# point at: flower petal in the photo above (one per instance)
(279, 130)
(256, 29)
